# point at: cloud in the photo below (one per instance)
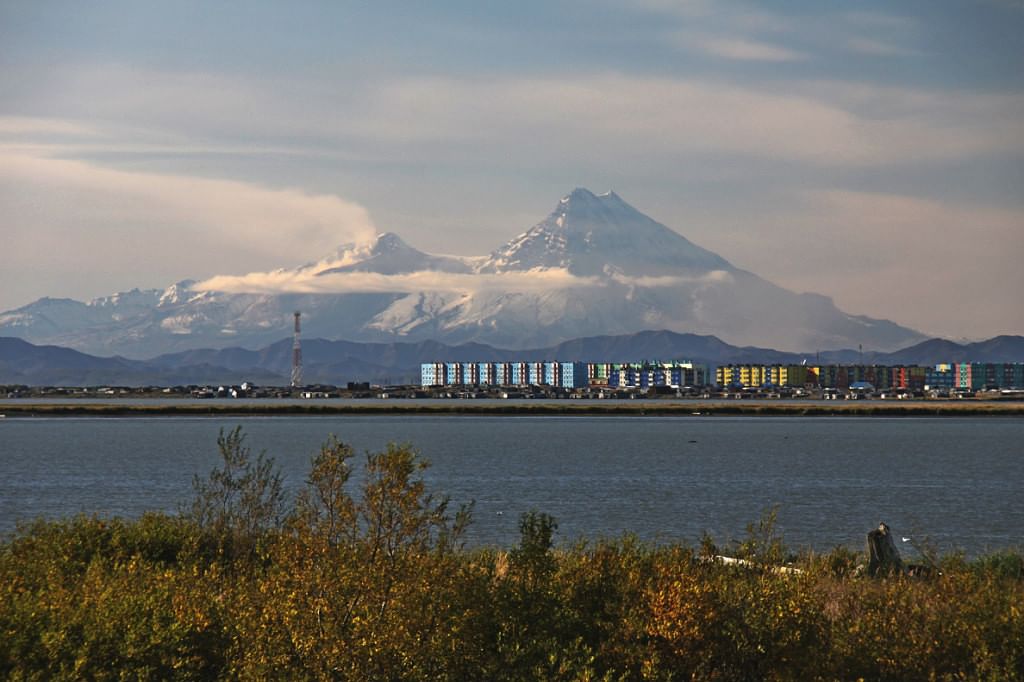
(28, 125)
(312, 281)
(879, 21)
(681, 8)
(747, 50)
(671, 281)
(948, 268)
(736, 32)
(466, 151)
(879, 48)
(658, 119)
(878, 34)
(70, 220)
(593, 118)
(309, 282)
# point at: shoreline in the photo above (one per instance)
(560, 408)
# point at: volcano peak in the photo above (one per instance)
(592, 234)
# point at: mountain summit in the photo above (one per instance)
(589, 234)
(390, 255)
(595, 266)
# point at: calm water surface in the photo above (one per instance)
(952, 482)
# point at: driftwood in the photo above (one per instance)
(733, 561)
(883, 557)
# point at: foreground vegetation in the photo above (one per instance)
(375, 584)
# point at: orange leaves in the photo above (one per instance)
(682, 612)
(613, 609)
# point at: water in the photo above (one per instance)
(949, 482)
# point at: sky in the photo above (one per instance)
(869, 151)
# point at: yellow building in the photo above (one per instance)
(726, 376)
(755, 376)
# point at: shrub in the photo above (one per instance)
(374, 583)
(240, 503)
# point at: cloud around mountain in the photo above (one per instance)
(154, 226)
(305, 281)
(588, 241)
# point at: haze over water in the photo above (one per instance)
(951, 482)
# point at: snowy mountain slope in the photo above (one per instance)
(595, 266)
(648, 277)
(389, 255)
(599, 234)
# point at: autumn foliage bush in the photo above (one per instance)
(375, 584)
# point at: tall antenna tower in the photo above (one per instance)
(296, 354)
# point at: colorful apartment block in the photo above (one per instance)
(675, 374)
(976, 376)
(840, 377)
(651, 374)
(563, 374)
(756, 376)
(939, 377)
(558, 374)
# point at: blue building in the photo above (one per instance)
(557, 374)
(432, 374)
(563, 374)
(939, 378)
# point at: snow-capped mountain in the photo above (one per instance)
(594, 266)
(598, 234)
(388, 255)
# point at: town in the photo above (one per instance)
(603, 380)
(945, 380)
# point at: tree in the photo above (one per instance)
(241, 501)
(324, 507)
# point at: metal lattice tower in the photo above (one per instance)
(296, 355)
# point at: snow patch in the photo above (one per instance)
(178, 324)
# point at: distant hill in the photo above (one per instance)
(654, 345)
(996, 349)
(24, 363)
(337, 362)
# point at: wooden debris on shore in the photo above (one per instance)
(745, 563)
(883, 557)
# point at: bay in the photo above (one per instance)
(950, 483)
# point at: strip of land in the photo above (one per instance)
(566, 408)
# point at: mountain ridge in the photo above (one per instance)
(594, 266)
(337, 362)
(584, 224)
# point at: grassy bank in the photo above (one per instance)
(563, 407)
(374, 584)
